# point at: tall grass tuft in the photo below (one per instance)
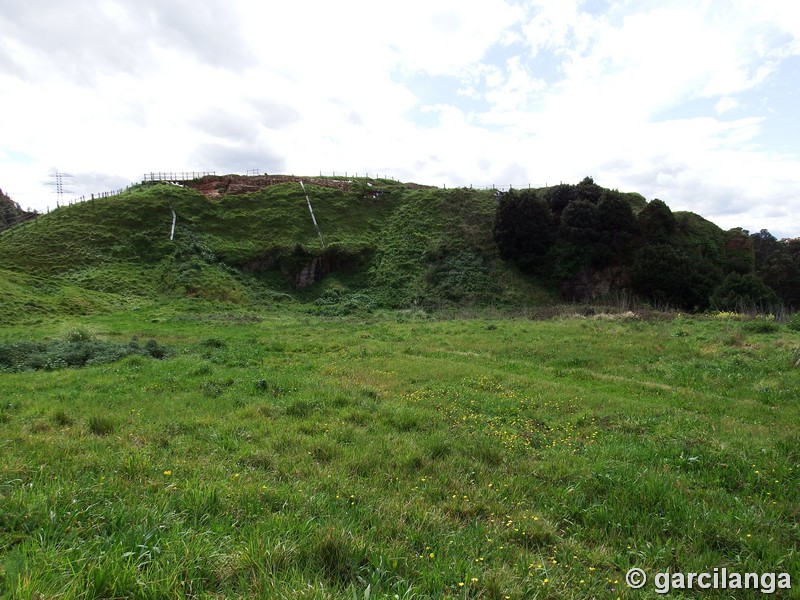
(101, 425)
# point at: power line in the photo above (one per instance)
(57, 181)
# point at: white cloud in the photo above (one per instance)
(725, 104)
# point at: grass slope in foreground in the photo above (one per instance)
(279, 456)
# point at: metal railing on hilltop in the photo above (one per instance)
(176, 176)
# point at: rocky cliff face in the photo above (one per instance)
(304, 268)
(312, 272)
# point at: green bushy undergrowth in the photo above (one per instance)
(77, 349)
(761, 325)
(335, 302)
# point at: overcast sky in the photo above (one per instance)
(692, 102)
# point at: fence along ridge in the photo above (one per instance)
(70, 202)
(175, 176)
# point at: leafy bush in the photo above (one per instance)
(78, 349)
(334, 302)
(742, 293)
(761, 326)
(794, 322)
(462, 277)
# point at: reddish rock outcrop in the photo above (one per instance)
(216, 186)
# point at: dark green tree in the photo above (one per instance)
(579, 223)
(660, 273)
(524, 229)
(617, 227)
(657, 223)
(743, 293)
(702, 278)
(739, 256)
(559, 196)
(764, 245)
(777, 264)
(578, 237)
(588, 190)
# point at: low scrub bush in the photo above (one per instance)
(336, 303)
(761, 325)
(78, 349)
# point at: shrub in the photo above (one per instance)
(336, 303)
(155, 350)
(761, 326)
(743, 293)
(79, 334)
(213, 343)
(79, 349)
(794, 322)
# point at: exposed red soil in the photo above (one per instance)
(216, 186)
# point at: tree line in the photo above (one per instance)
(590, 240)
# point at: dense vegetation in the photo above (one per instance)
(78, 349)
(590, 240)
(391, 245)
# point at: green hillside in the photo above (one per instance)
(401, 245)
(251, 241)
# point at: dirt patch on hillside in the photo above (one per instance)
(216, 186)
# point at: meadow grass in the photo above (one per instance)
(275, 454)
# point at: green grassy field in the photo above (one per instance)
(278, 454)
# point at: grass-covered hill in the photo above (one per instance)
(394, 244)
(384, 243)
